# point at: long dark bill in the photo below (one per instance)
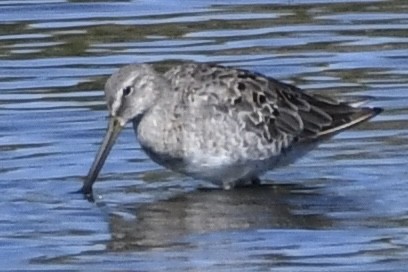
(114, 129)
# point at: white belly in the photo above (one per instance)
(210, 149)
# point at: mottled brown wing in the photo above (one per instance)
(321, 116)
(268, 107)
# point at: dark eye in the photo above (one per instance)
(127, 90)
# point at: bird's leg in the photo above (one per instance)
(253, 181)
(256, 181)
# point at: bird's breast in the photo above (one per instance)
(159, 136)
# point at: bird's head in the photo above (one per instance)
(129, 93)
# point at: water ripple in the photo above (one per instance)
(341, 208)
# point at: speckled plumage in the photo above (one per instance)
(218, 123)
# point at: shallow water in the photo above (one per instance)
(341, 208)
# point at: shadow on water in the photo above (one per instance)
(166, 223)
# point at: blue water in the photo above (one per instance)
(341, 208)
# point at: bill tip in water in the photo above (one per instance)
(86, 192)
(89, 197)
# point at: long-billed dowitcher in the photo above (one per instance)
(217, 123)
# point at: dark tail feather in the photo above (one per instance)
(328, 117)
(345, 121)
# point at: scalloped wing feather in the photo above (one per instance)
(268, 107)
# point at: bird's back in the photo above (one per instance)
(263, 105)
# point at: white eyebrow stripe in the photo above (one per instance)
(117, 102)
(128, 82)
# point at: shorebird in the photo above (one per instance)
(217, 123)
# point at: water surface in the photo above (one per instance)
(341, 208)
